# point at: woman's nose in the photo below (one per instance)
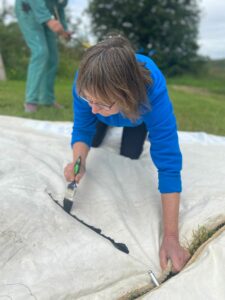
(95, 109)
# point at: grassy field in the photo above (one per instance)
(198, 108)
(12, 98)
(199, 101)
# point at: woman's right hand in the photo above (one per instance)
(55, 26)
(69, 172)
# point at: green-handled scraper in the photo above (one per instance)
(71, 189)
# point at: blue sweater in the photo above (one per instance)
(160, 122)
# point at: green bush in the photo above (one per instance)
(69, 59)
(14, 51)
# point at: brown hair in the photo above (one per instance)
(109, 72)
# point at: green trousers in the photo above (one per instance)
(42, 68)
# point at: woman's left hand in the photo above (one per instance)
(171, 249)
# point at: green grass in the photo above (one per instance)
(212, 79)
(199, 101)
(12, 99)
(197, 111)
(205, 83)
(200, 236)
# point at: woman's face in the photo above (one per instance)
(101, 108)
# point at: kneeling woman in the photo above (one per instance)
(115, 87)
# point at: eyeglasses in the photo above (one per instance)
(99, 105)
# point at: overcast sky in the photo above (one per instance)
(211, 30)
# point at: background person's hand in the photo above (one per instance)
(171, 249)
(66, 35)
(55, 26)
(69, 172)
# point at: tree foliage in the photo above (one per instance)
(165, 29)
(14, 51)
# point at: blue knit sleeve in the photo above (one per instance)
(84, 125)
(161, 125)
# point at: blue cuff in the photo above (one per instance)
(170, 183)
(82, 138)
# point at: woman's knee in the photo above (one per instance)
(132, 153)
(133, 139)
(101, 129)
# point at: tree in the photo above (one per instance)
(165, 29)
(7, 14)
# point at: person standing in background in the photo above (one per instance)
(40, 22)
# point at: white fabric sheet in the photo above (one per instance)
(46, 254)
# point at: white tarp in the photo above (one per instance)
(46, 254)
